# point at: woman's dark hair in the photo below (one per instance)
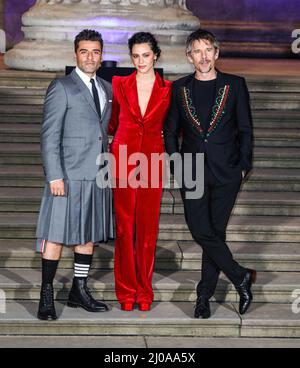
(88, 35)
(144, 37)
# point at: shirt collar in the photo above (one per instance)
(85, 78)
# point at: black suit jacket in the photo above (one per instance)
(227, 143)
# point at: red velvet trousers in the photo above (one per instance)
(137, 221)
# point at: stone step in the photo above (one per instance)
(253, 203)
(276, 138)
(261, 179)
(264, 157)
(26, 79)
(19, 133)
(261, 256)
(268, 180)
(20, 154)
(271, 101)
(21, 176)
(273, 179)
(173, 227)
(168, 285)
(272, 119)
(281, 157)
(273, 84)
(21, 109)
(240, 228)
(21, 100)
(171, 319)
(21, 96)
(150, 342)
(15, 118)
(248, 203)
(170, 255)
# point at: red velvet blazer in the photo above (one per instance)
(129, 127)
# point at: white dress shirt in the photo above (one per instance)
(87, 81)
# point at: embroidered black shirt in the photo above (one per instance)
(203, 95)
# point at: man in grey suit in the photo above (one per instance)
(75, 210)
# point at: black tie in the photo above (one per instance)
(96, 97)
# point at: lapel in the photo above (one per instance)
(159, 93)
(218, 109)
(84, 90)
(130, 94)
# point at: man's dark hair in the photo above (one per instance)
(88, 35)
(201, 34)
(144, 37)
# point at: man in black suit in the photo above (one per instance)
(211, 111)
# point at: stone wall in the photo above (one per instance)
(250, 27)
(246, 10)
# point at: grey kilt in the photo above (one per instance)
(83, 215)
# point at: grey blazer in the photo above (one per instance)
(72, 135)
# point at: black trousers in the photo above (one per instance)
(207, 219)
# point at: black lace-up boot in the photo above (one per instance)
(46, 307)
(202, 308)
(80, 296)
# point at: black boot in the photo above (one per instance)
(46, 307)
(244, 290)
(202, 308)
(80, 296)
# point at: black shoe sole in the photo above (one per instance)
(77, 305)
(46, 318)
(248, 306)
(205, 316)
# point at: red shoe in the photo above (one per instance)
(144, 306)
(127, 306)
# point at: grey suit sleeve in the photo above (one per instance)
(55, 107)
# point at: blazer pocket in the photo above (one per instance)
(73, 141)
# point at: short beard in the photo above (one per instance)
(206, 71)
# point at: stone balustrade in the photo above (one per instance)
(51, 25)
(161, 3)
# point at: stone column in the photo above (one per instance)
(51, 25)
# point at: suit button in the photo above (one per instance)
(100, 138)
(205, 140)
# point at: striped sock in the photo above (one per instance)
(82, 265)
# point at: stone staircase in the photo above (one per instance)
(263, 232)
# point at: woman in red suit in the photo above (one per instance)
(140, 104)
